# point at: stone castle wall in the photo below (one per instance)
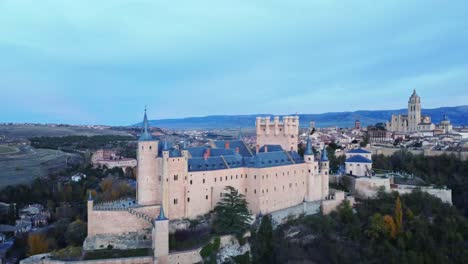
(463, 155)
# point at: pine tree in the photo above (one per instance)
(231, 213)
(262, 248)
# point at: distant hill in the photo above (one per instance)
(457, 114)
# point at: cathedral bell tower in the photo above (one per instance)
(414, 112)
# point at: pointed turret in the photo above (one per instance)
(308, 150)
(161, 216)
(165, 148)
(240, 136)
(145, 135)
(324, 154)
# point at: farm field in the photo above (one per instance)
(28, 131)
(4, 149)
(30, 163)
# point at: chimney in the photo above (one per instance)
(237, 150)
(207, 153)
(226, 144)
(257, 149)
(266, 148)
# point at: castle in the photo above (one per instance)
(183, 182)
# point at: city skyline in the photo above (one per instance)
(101, 63)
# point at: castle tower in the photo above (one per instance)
(414, 112)
(164, 188)
(161, 238)
(283, 133)
(324, 166)
(313, 187)
(148, 186)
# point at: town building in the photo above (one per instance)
(110, 159)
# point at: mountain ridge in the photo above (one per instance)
(457, 114)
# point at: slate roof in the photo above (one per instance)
(359, 151)
(233, 144)
(358, 159)
(222, 158)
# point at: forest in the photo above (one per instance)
(413, 228)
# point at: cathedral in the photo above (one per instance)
(414, 121)
(179, 182)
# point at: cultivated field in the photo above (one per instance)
(4, 149)
(30, 163)
(28, 131)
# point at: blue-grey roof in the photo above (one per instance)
(145, 135)
(222, 158)
(233, 144)
(358, 159)
(359, 151)
(308, 150)
(161, 216)
(324, 154)
(271, 148)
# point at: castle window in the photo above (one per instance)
(246, 176)
(309, 171)
(309, 158)
(236, 176)
(188, 199)
(203, 180)
(159, 178)
(150, 147)
(215, 179)
(226, 178)
(175, 201)
(255, 190)
(231, 177)
(274, 189)
(190, 182)
(263, 191)
(245, 190)
(206, 197)
(220, 178)
(263, 176)
(255, 177)
(290, 185)
(176, 177)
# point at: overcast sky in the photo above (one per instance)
(101, 62)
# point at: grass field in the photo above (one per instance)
(4, 149)
(30, 163)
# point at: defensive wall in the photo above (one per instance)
(463, 155)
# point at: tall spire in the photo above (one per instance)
(308, 150)
(240, 137)
(161, 216)
(324, 154)
(145, 135)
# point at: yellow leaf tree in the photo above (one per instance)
(37, 244)
(398, 215)
(390, 226)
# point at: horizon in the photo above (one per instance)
(80, 64)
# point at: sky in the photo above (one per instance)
(101, 62)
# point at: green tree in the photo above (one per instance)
(231, 213)
(262, 248)
(76, 233)
(376, 228)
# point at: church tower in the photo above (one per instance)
(148, 186)
(414, 112)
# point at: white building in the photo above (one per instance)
(358, 163)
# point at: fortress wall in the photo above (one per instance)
(431, 153)
(177, 181)
(444, 194)
(276, 188)
(135, 260)
(114, 222)
(204, 189)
